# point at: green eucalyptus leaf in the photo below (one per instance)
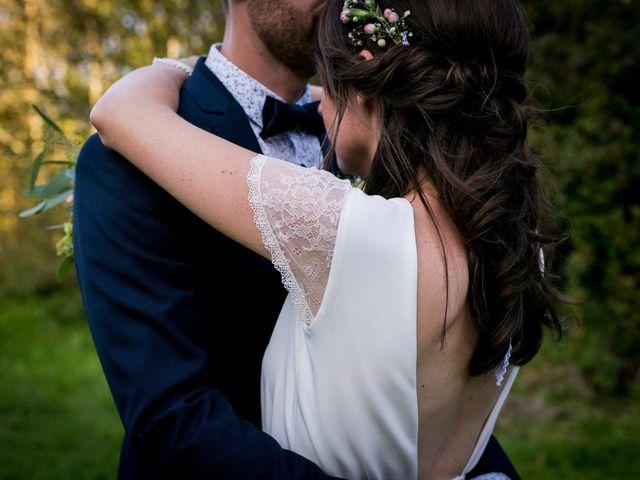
(64, 268)
(57, 189)
(47, 204)
(33, 211)
(63, 163)
(56, 200)
(57, 184)
(35, 191)
(35, 169)
(48, 120)
(71, 174)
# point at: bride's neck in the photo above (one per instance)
(427, 187)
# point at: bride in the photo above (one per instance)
(412, 302)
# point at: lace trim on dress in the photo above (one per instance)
(269, 239)
(297, 212)
(501, 369)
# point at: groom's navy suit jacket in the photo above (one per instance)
(180, 314)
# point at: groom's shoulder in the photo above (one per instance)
(97, 165)
(93, 149)
(203, 96)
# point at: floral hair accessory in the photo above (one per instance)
(374, 25)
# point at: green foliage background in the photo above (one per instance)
(587, 64)
(574, 412)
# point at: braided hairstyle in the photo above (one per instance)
(453, 112)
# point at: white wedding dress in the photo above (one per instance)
(339, 374)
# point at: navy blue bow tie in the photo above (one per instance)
(280, 117)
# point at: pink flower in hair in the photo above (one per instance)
(391, 16)
(377, 27)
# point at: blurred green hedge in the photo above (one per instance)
(586, 75)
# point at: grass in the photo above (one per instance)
(586, 443)
(574, 439)
(555, 426)
(57, 419)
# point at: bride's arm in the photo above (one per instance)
(137, 118)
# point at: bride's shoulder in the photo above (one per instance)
(376, 209)
(443, 264)
(377, 227)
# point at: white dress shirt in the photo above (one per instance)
(296, 146)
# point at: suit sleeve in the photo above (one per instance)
(137, 283)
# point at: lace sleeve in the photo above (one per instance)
(297, 211)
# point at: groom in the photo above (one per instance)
(180, 314)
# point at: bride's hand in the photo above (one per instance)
(159, 84)
(190, 61)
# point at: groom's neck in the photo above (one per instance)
(244, 48)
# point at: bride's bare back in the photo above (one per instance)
(452, 405)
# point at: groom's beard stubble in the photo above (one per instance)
(286, 31)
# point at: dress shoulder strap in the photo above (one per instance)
(490, 423)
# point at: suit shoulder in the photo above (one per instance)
(99, 166)
(93, 147)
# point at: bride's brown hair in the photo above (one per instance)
(453, 107)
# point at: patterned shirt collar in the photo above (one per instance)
(247, 91)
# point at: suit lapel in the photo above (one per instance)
(235, 127)
(225, 115)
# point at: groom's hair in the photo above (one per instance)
(453, 106)
(225, 7)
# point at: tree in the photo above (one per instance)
(61, 55)
(587, 65)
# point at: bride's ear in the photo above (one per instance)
(369, 112)
(366, 54)
(368, 108)
(366, 105)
